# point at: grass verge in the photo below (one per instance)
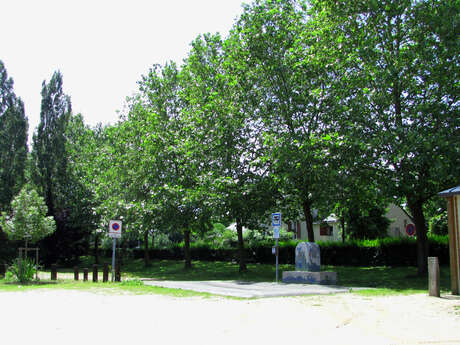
(382, 280)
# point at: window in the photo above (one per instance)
(325, 230)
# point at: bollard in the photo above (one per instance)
(105, 276)
(3, 270)
(117, 273)
(75, 273)
(434, 277)
(85, 274)
(95, 273)
(53, 272)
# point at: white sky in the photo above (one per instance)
(102, 47)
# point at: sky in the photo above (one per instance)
(102, 48)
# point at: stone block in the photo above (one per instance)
(307, 257)
(305, 277)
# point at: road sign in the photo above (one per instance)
(410, 229)
(276, 219)
(276, 232)
(115, 228)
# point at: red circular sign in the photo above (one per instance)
(410, 229)
(115, 226)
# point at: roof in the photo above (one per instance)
(450, 192)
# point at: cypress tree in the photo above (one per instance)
(13, 140)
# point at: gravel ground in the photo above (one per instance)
(76, 317)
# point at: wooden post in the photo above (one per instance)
(95, 273)
(433, 277)
(454, 243)
(75, 273)
(53, 272)
(85, 274)
(105, 276)
(2, 270)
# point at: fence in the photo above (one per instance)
(76, 272)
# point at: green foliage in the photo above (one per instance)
(372, 225)
(55, 178)
(23, 270)
(49, 154)
(438, 224)
(28, 220)
(398, 90)
(13, 140)
(377, 252)
(334, 106)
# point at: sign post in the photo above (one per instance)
(114, 232)
(276, 224)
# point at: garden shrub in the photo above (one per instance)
(23, 270)
(378, 252)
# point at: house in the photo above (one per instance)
(330, 228)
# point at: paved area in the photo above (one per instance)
(250, 289)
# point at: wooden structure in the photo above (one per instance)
(453, 213)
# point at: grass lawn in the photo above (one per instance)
(387, 280)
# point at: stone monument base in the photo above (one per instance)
(305, 277)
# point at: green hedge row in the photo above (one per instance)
(384, 252)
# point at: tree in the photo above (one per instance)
(225, 137)
(27, 220)
(52, 175)
(290, 97)
(82, 145)
(399, 90)
(49, 150)
(13, 141)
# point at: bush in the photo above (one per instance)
(379, 252)
(23, 270)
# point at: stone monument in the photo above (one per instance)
(308, 267)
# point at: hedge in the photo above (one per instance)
(384, 252)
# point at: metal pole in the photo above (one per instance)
(113, 258)
(277, 252)
(36, 263)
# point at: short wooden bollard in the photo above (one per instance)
(117, 273)
(95, 273)
(105, 275)
(85, 274)
(53, 272)
(75, 273)
(434, 277)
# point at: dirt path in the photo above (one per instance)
(75, 317)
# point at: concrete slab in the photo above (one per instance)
(250, 289)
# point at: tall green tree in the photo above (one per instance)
(83, 164)
(165, 177)
(399, 91)
(290, 98)
(49, 149)
(53, 178)
(13, 140)
(225, 137)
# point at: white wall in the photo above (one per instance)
(399, 219)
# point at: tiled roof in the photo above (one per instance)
(450, 192)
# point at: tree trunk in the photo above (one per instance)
(146, 249)
(342, 224)
(308, 220)
(416, 209)
(96, 248)
(239, 230)
(187, 254)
